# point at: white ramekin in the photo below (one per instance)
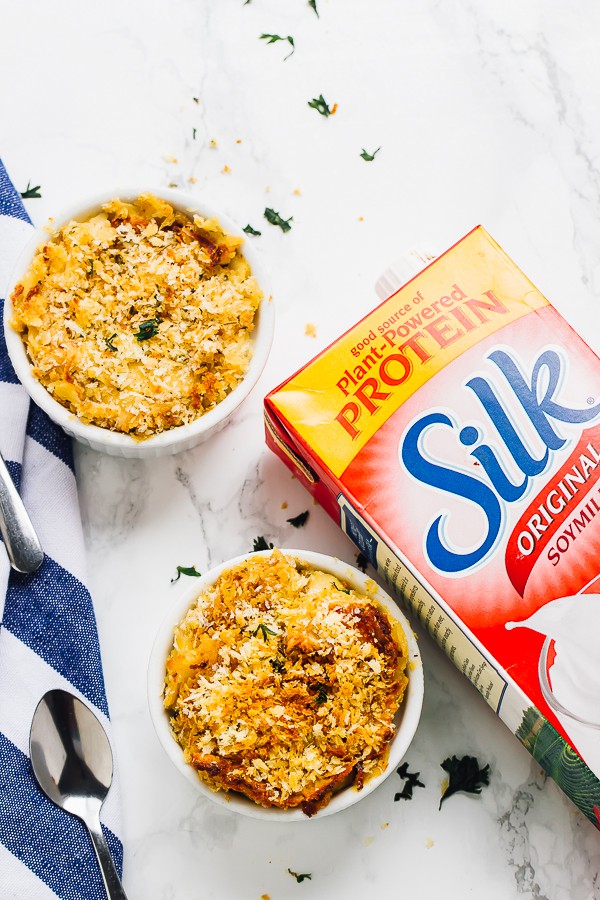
(406, 719)
(175, 439)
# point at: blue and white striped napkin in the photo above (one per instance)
(48, 635)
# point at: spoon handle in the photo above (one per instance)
(112, 882)
(22, 545)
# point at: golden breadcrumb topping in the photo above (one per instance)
(139, 318)
(283, 684)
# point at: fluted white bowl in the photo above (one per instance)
(406, 719)
(176, 439)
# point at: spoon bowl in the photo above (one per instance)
(72, 762)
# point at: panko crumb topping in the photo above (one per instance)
(138, 319)
(283, 684)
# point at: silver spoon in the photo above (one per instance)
(72, 761)
(22, 544)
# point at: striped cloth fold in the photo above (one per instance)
(48, 634)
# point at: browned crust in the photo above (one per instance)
(351, 713)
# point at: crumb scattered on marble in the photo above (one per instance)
(225, 170)
(361, 218)
(267, 189)
(334, 109)
(171, 159)
(296, 192)
(264, 897)
(196, 99)
(384, 825)
(173, 184)
(429, 843)
(192, 180)
(310, 330)
(212, 144)
(284, 505)
(239, 141)
(368, 841)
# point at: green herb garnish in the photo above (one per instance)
(186, 570)
(369, 157)
(273, 38)
(320, 691)
(299, 520)
(90, 271)
(343, 590)
(31, 192)
(193, 134)
(320, 104)
(250, 230)
(109, 343)
(361, 562)
(464, 774)
(313, 3)
(264, 631)
(411, 781)
(259, 543)
(278, 665)
(300, 876)
(147, 330)
(275, 219)
(119, 259)
(322, 695)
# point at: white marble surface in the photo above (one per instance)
(485, 112)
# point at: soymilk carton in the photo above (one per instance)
(454, 434)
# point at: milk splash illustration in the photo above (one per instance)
(571, 683)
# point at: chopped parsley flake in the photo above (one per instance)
(322, 695)
(275, 219)
(464, 774)
(259, 543)
(320, 104)
(250, 230)
(313, 4)
(185, 570)
(343, 590)
(147, 330)
(300, 876)
(264, 631)
(299, 520)
(31, 192)
(110, 344)
(411, 782)
(369, 157)
(361, 562)
(273, 38)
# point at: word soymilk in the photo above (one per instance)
(454, 434)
